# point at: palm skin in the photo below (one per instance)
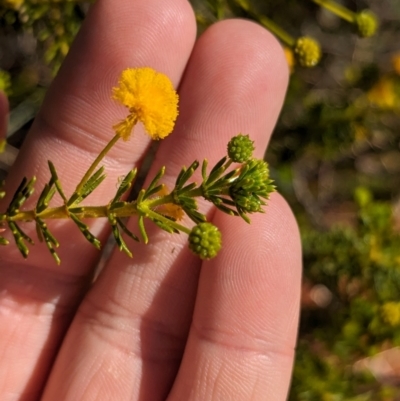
(163, 325)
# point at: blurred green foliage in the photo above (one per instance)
(35, 38)
(335, 156)
(359, 267)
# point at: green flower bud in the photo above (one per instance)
(240, 148)
(252, 185)
(205, 240)
(307, 51)
(367, 23)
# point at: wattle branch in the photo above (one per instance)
(236, 191)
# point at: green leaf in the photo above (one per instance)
(187, 188)
(154, 182)
(217, 170)
(23, 192)
(125, 185)
(185, 174)
(85, 231)
(118, 238)
(20, 237)
(56, 181)
(90, 185)
(204, 170)
(143, 230)
(153, 191)
(45, 197)
(165, 227)
(126, 231)
(49, 239)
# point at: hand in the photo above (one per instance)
(163, 325)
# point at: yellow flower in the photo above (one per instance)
(3, 143)
(150, 98)
(382, 94)
(390, 313)
(396, 63)
(289, 58)
(360, 132)
(14, 4)
(5, 82)
(307, 51)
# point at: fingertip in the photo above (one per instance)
(247, 307)
(263, 260)
(235, 82)
(262, 60)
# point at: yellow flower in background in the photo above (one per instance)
(5, 82)
(150, 98)
(390, 313)
(289, 57)
(382, 94)
(13, 4)
(359, 131)
(396, 63)
(3, 143)
(307, 51)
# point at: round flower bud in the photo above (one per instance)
(205, 240)
(249, 203)
(367, 23)
(307, 51)
(240, 148)
(252, 186)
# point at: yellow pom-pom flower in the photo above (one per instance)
(383, 94)
(396, 63)
(307, 51)
(13, 4)
(3, 144)
(367, 23)
(390, 313)
(151, 99)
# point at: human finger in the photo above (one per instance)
(134, 322)
(244, 328)
(37, 297)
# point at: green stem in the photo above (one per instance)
(153, 203)
(269, 24)
(337, 9)
(95, 163)
(276, 30)
(82, 212)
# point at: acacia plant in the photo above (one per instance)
(150, 99)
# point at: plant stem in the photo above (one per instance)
(276, 30)
(152, 203)
(269, 24)
(337, 9)
(82, 212)
(96, 162)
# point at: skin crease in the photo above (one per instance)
(163, 325)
